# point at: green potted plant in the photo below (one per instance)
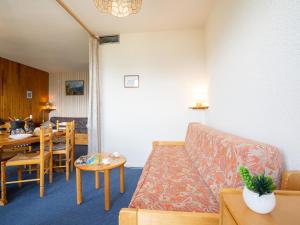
(258, 192)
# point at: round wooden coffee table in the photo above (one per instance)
(117, 162)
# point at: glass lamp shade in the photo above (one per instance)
(119, 8)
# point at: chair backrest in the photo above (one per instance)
(61, 125)
(70, 135)
(46, 136)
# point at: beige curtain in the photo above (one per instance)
(94, 111)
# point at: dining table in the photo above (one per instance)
(6, 142)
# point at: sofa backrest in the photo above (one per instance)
(80, 122)
(218, 157)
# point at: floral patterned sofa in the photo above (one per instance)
(189, 177)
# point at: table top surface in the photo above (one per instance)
(115, 163)
(6, 141)
(286, 211)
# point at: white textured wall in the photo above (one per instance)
(68, 106)
(254, 65)
(170, 65)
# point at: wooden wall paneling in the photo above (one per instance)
(44, 90)
(25, 109)
(39, 90)
(10, 89)
(1, 87)
(15, 80)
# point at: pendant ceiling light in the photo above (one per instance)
(119, 8)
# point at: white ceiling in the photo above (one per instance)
(41, 34)
(155, 15)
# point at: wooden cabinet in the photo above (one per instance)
(15, 80)
(235, 212)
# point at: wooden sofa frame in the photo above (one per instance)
(130, 216)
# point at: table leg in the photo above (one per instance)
(107, 189)
(122, 179)
(97, 180)
(3, 200)
(78, 186)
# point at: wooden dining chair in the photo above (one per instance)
(61, 125)
(42, 159)
(66, 149)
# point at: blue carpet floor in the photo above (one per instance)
(59, 207)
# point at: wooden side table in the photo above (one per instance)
(118, 162)
(235, 212)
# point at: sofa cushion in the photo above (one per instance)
(218, 157)
(170, 182)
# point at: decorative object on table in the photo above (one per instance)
(30, 125)
(17, 126)
(74, 87)
(131, 81)
(82, 159)
(29, 94)
(119, 8)
(258, 192)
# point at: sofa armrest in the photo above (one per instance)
(167, 143)
(128, 217)
(290, 180)
(154, 217)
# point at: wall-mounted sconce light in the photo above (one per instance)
(199, 100)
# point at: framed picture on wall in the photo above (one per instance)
(75, 87)
(131, 81)
(29, 94)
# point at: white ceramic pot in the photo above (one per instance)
(260, 204)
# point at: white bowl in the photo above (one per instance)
(19, 136)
